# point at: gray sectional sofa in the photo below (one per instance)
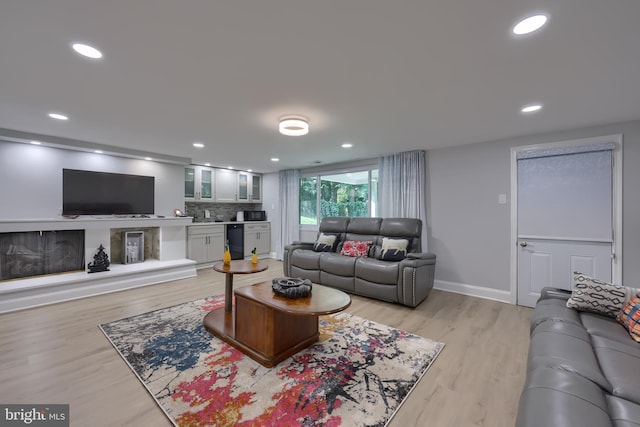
(583, 369)
(406, 281)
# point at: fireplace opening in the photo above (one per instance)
(36, 253)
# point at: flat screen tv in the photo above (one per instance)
(103, 193)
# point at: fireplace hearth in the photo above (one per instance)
(36, 253)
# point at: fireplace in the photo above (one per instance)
(36, 253)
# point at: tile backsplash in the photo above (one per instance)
(218, 211)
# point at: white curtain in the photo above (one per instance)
(289, 189)
(402, 188)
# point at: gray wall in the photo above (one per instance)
(469, 231)
(31, 179)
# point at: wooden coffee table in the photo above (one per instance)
(269, 328)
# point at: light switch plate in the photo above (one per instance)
(502, 199)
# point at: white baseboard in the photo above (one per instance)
(473, 290)
(35, 292)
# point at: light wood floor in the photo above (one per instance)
(57, 354)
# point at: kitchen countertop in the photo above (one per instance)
(198, 224)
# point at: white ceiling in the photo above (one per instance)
(386, 76)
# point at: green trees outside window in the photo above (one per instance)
(348, 194)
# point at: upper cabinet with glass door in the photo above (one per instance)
(198, 183)
(249, 187)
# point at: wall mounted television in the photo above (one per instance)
(104, 193)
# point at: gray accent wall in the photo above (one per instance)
(31, 178)
(470, 232)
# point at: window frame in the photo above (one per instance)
(318, 173)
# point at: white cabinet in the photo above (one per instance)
(204, 184)
(198, 183)
(257, 236)
(249, 187)
(205, 243)
(226, 184)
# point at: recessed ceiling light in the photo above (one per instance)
(58, 116)
(346, 145)
(198, 144)
(148, 158)
(36, 142)
(294, 126)
(249, 170)
(98, 151)
(86, 50)
(229, 167)
(207, 164)
(530, 24)
(531, 108)
(275, 159)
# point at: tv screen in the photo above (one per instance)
(103, 193)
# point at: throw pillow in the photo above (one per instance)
(393, 249)
(630, 317)
(597, 296)
(355, 248)
(325, 243)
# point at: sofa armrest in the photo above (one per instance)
(288, 250)
(554, 293)
(307, 245)
(421, 256)
(416, 275)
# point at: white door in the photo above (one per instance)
(564, 217)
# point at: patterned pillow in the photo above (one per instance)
(630, 317)
(355, 248)
(393, 249)
(597, 296)
(325, 243)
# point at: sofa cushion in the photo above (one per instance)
(629, 317)
(365, 226)
(556, 398)
(337, 264)
(325, 243)
(393, 249)
(306, 259)
(620, 363)
(623, 413)
(377, 271)
(564, 328)
(355, 248)
(600, 297)
(604, 326)
(565, 352)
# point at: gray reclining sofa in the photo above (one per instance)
(406, 281)
(583, 369)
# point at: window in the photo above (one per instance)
(308, 200)
(352, 194)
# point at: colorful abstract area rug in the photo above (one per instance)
(357, 374)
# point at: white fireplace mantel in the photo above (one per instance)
(172, 264)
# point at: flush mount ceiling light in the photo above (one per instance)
(347, 145)
(531, 108)
(86, 50)
(294, 126)
(530, 24)
(58, 116)
(198, 144)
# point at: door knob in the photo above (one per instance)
(523, 244)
